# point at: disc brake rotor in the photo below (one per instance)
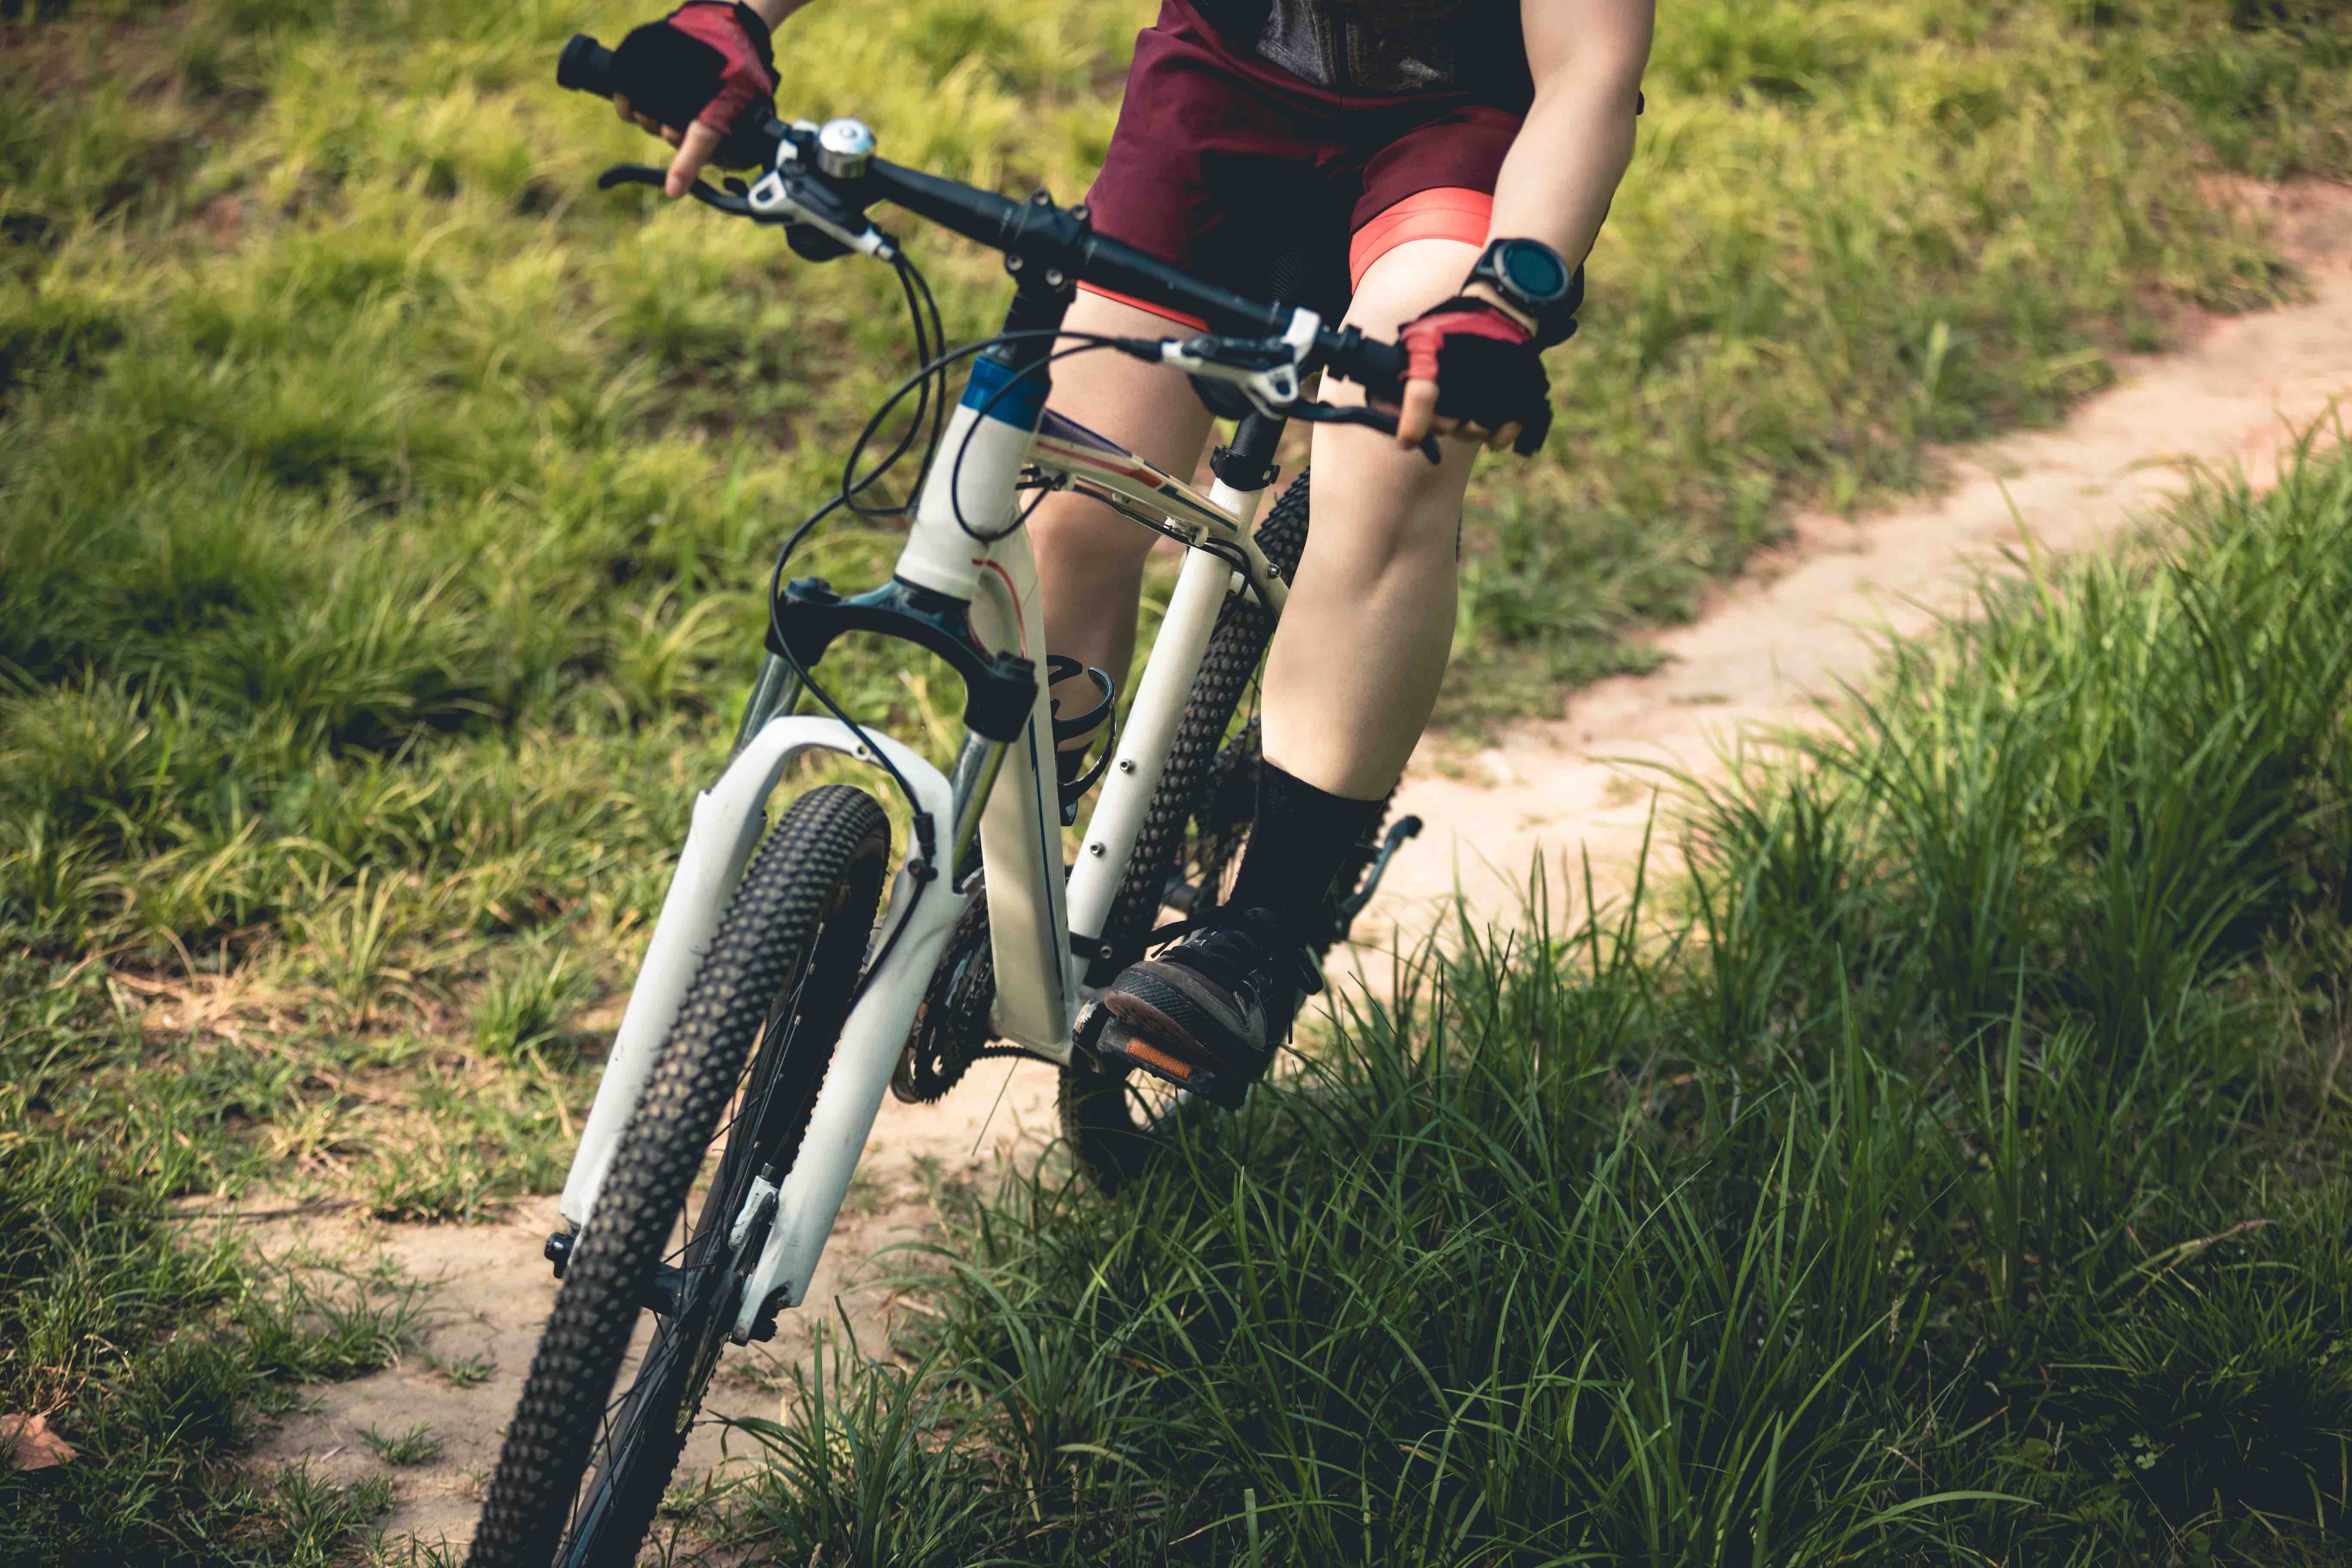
(952, 1024)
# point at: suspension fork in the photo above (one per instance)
(777, 689)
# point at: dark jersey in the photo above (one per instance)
(1380, 48)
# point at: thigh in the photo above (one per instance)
(1221, 171)
(1086, 552)
(1419, 223)
(1456, 151)
(1148, 409)
(1369, 489)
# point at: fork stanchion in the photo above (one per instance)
(972, 780)
(777, 690)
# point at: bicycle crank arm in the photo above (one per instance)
(1404, 828)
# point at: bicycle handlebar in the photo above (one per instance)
(1037, 233)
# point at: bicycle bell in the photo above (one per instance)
(843, 148)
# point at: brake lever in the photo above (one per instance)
(1370, 418)
(639, 174)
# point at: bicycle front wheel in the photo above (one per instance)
(584, 1469)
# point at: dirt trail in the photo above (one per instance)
(1777, 643)
(492, 1291)
(1782, 640)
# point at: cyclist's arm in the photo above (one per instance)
(1587, 57)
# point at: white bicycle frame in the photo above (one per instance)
(1044, 930)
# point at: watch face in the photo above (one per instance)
(1533, 269)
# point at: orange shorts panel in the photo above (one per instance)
(1162, 311)
(1446, 212)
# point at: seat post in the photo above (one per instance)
(1247, 464)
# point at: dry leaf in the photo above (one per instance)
(31, 1446)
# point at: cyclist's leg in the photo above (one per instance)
(1089, 559)
(1355, 665)
(1351, 679)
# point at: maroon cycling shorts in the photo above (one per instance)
(1246, 177)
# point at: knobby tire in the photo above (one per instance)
(781, 974)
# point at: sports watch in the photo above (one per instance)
(1538, 281)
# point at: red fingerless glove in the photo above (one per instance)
(1423, 334)
(1486, 366)
(747, 73)
(709, 62)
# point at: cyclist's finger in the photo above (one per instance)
(1416, 412)
(694, 150)
(1501, 440)
(642, 121)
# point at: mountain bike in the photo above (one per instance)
(782, 993)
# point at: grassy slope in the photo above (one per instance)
(1962, 1179)
(378, 500)
(147, 1339)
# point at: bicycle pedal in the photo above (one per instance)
(1088, 1032)
(1119, 1043)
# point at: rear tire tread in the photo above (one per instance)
(1091, 1101)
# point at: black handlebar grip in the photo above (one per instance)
(1380, 369)
(586, 67)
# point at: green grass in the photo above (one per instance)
(1959, 1176)
(384, 513)
(150, 1339)
(418, 1445)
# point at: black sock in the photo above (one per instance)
(1299, 839)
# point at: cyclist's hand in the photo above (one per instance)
(691, 78)
(1474, 372)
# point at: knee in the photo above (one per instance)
(1367, 543)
